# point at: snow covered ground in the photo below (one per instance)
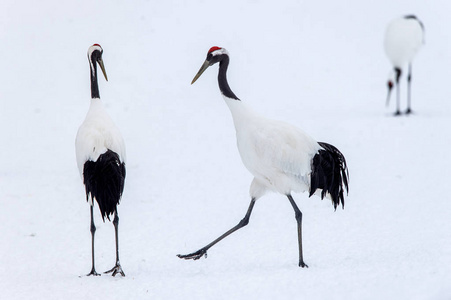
(317, 64)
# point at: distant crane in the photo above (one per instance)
(100, 152)
(281, 157)
(403, 38)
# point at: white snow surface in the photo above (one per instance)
(319, 65)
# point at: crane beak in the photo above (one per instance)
(390, 86)
(388, 97)
(100, 61)
(201, 70)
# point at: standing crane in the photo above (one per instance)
(281, 157)
(403, 38)
(100, 152)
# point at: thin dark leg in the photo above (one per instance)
(409, 79)
(117, 268)
(93, 231)
(398, 92)
(298, 216)
(203, 251)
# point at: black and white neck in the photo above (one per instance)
(241, 113)
(221, 56)
(95, 57)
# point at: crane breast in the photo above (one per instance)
(95, 138)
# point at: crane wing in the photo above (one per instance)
(284, 148)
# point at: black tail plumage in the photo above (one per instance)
(329, 173)
(104, 181)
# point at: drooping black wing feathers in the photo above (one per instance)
(329, 173)
(104, 181)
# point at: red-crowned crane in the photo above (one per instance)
(281, 157)
(100, 152)
(403, 38)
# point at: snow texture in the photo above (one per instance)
(317, 65)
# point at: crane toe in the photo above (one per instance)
(93, 273)
(195, 255)
(115, 270)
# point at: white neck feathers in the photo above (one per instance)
(242, 115)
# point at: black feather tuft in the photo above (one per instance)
(330, 174)
(104, 181)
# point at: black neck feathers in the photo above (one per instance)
(222, 78)
(413, 17)
(93, 70)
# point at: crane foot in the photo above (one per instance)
(195, 255)
(93, 273)
(302, 264)
(115, 270)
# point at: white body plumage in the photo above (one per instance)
(403, 38)
(96, 135)
(277, 154)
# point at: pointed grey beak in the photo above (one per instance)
(100, 61)
(201, 70)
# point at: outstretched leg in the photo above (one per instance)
(93, 231)
(117, 268)
(409, 79)
(298, 216)
(398, 99)
(203, 251)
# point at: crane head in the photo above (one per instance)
(214, 55)
(95, 56)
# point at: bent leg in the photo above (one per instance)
(203, 251)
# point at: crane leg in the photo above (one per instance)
(409, 80)
(298, 216)
(93, 231)
(203, 251)
(398, 99)
(117, 268)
